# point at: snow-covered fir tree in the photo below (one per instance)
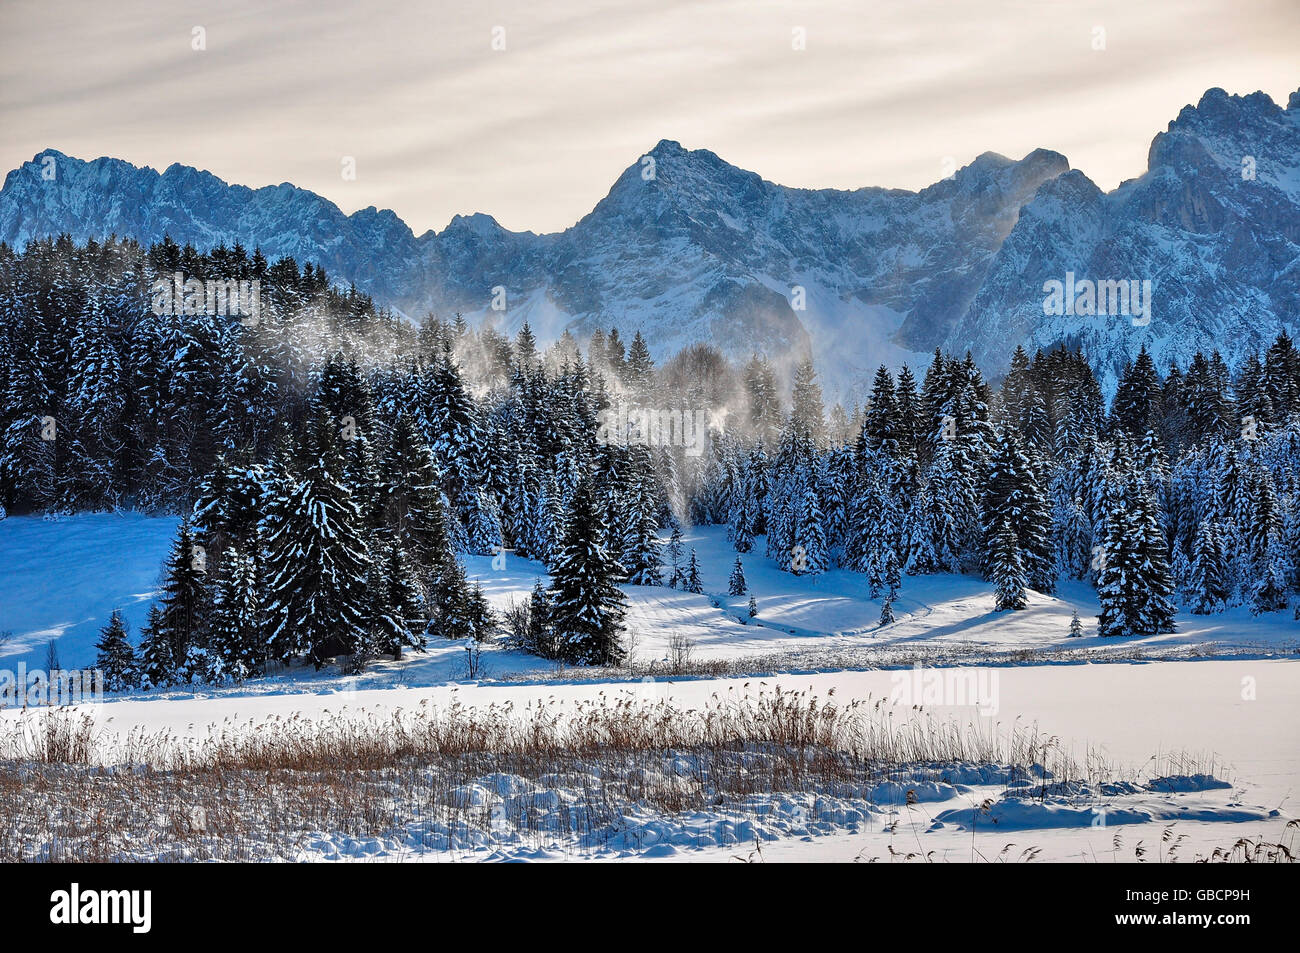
(114, 655)
(184, 599)
(539, 640)
(809, 535)
(1208, 588)
(587, 604)
(317, 566)
(1270, 593)
(736, 585)
(157, 663)
(1014, 497)
(691, 577)
(675, 556)
(237, 641)
(1134, 583)
(1006, 570)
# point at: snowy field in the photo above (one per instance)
(1232, 715)
(62, 579)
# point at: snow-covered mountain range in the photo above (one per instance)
(687, 248)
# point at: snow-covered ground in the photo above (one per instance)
(1129, 723)
(60, 578)
(63, 577)
(1234, 713)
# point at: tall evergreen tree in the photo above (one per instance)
(396, 617)
(882, 427)
(317, 565)
(736, 585)
(1138, 399)
(807, 411)
(184, 601)
(639, 373)
(1134, 583)
(1014, 495)
(764, 402)
(675, 555)
(810, 534)
(157, 663)
(237, 640)
(691, 578)
(1208, 589)
(588, 610)
(540, 640)
(115, 658)
(1006, 569)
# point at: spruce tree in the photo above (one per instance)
(639, 539)
(743, 526)
(455, 425)
(483, 620)
(736, 583)
(157, 663)
(753, 606)
(1013, 495)
(237, 641)
(525, 346)
(451, 610)
(810, 535)
(317, 565)
(1134, 582)
(807, 411)
(540, 641)
(639, 372)
(483, 524)
(184, 598)
(1138, 397)
(588, 607)
(1208, 588)
(691, 580)
(908, 403)
(675, 555)
(763, 402)
(228, 511)
(1270, 592)
(892, 575)
(1006, 570)
(918, 534)
(1076, 625)
(881, 427)
(396, 617)
(115, 657)
(875, 571)
(410, 499)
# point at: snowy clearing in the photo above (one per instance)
(1235, 717)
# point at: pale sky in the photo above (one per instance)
(885, 92)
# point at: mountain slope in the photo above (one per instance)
(1221, 248)
(688, 248)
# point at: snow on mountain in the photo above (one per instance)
(687, 248)
(1214, 225)
(108, 196)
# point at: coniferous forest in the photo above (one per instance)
(332, 462)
